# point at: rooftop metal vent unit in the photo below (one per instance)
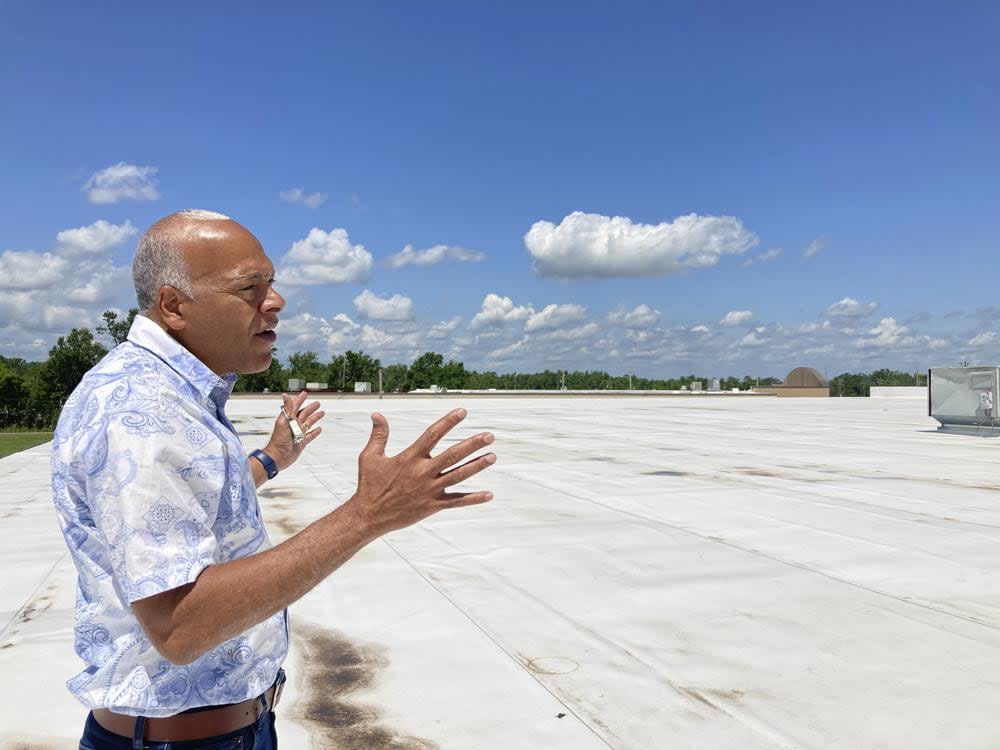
(965, 399)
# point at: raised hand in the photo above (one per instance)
(281, 447)
(397, 491)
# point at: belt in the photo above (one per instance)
(197, 725)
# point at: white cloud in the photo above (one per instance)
(396, 307)
(65, 317)
(401, 345)
(736, 317)
(445, 327)
(94, 239)
(52, 292)
(814, 327)
(642, 316)
(982, 339)
(497, 310)
(887, 332)
(815, 247)
(432, 256)
(311, 332)
(592, 245)
(850, 308)
(765, 257)
(700, 329)
(752, 339)
(298, 195)
(375, 338)
(325, 258)
(102, 286)
(505, 351)
(555, 316)
(120, 182)
(29, 270)
(572, 334)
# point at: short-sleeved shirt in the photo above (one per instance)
(152, 485)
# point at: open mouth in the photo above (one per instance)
(268, 336)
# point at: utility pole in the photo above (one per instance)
(380, 383)
(630, 382)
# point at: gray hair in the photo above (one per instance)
(159, 260)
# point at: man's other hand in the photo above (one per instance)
(281, 447)
(395, 492)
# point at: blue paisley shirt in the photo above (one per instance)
(152, 485)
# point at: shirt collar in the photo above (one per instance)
(147, 334)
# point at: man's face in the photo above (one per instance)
(229, 324)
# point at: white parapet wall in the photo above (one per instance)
(899, 391)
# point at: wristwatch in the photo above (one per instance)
(267, 462)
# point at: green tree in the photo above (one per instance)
(117, 329)
(426, 370)
(306, 365)
(274, 379)
(17, 364)
(847, 384)
(393, 378)
(13, 397)
(452, 375)
(69, 360)
(361, 368)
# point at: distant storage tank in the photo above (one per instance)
(362, 387)
(316, 386)
(714, 385)
(964, 399)
(296, 384)
(696, 385)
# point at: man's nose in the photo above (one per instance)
(274, 302)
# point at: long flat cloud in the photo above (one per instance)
(432, 256)
(591, 245)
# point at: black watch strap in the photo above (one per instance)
(267, 462)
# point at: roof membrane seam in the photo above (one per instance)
(496, 643)
(764, 555)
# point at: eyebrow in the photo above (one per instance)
(253, 275)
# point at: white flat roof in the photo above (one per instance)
(653, 573)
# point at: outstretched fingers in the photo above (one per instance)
(469, 469)
(433, 434)
(462, 450)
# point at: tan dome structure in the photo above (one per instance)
(802, 381)
(805, 377)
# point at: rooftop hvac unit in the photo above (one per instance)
(965, 399)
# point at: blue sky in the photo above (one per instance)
(509, 137)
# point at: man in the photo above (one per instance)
(181, 599)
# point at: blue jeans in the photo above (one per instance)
(257, 736)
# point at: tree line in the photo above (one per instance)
(32, 393)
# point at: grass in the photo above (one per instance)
(12, 442)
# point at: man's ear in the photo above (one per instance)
(168, 304)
